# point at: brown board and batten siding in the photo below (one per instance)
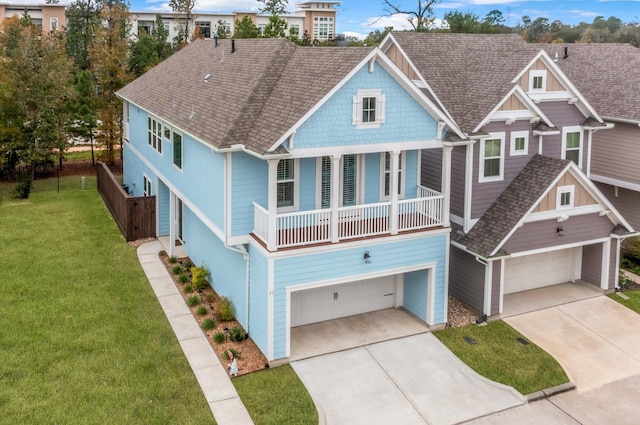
(466, 278)
(543, 234)
(484, 194)
(552, 83)
(626, 201)
(562, 115)
(591, 271)
(615, 153)
(581, 197)
(401, 62)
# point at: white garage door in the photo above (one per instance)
(538, 270)
(332, 302)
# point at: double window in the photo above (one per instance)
(386, 175)
(368, 109)
(155, 134)
(323, 28)
(572, 144)
(349, 177)
(492, 158)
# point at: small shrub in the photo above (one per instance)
(201, 311)
(199, 277)
(209, 297)
(172, 260)
(236, 334)
(188, 264)
(23, 187)
(193, 301)
(235, 353)
(219, 337)
(226, 309)
(162, 253)
(208, 324)
(187, 289)
(176, 269)
(183, 278)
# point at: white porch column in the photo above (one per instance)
(172, 224)
(446, 184)
(393, 191)
(272, 207)
(335, 198)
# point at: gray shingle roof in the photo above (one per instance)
(253, 96)
(514, 202)
(470, 73)
(607, 75)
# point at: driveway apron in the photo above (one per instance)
(412, 380)
(597, 341)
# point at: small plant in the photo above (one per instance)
(236, 334)
(201, 311)
(199, 277)
(183, 278)
(176, 269)
(188, 264)
(226, 309)
(187, 289)
(234, 352)
(219, 337)
(172, 260)
(208, 324)
(193, 301)
(162, 253)
(209, 297)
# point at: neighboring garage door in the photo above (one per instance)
(332, 302)
(538, 270)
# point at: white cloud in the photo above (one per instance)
(357, 35)
(398, 22)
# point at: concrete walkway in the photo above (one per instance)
(212, 376)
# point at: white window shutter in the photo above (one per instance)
(380, 109)
(355, 117)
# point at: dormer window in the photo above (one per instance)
(537, 80)
(564, 197)
(368, 109)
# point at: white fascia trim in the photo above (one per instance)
(615, 182)
(495, 114)
(196, 211)
(270, 308)
(363, 149)
(563, 212)
(558, 247)
(238, 240)
(228, 181)
(456, 219)
(622, 120)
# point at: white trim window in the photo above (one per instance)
(538, 80)
(385, 175)
(519, 143)
(368, 109)
(323, 28)
(564, 197)
(287, 176)
(491, 166)
(154, 128)
(177, 150)
(146, 184)
(53, 24)
(572, 144)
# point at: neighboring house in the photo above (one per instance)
(316, 18)
(49, 17)
(293, 174)
(608, 74)
(524, 213)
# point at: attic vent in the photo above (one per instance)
(207, 78)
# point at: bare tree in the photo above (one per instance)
(185, 9)
(420, 19)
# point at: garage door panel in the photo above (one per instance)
(335, 301)
(539, 270)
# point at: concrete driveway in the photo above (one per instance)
(597, 341)
(412, 380)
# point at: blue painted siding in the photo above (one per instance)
(258, 299)
(163, 209)
(415, 293)
(331, 125)
(411, 174)
(249, 176)
(135, 170)
(308, 186)
(372, 178)
(227, 268)
(348, 263)
(201, 179)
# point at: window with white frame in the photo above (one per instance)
(155, 134)
(322, 28)
(53, 24)
(537, 80)
(519, 143)
(572, 144)
(564, 197)
(146, 184)
(261, 28)
(177, 150)
(492, 158)
(386, 175)
(286, 176)
(368, 109)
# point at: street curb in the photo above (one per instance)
(542, 394)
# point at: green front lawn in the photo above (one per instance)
(276, 396)
(83, 339)
(499, 356)
(633, 302)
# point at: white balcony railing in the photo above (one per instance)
(311, 227)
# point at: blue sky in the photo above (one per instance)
(359, 17)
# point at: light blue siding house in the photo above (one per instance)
(293, 173)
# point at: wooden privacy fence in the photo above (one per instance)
(135, 216)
